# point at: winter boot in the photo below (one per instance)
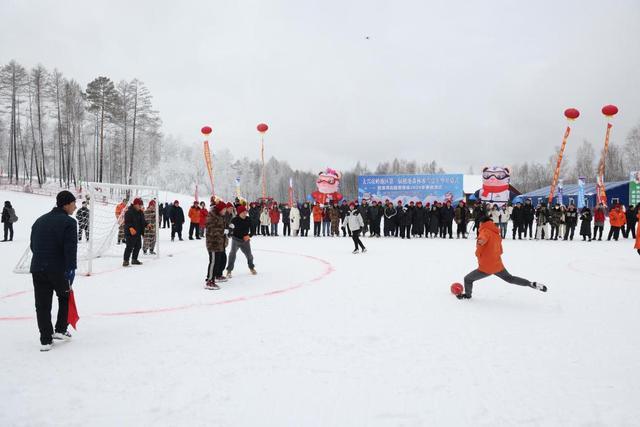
(136, 262)
(539, 286)
(211, 285)
(356, 251)
(364, 250)
(66, 336)
(125, 263)
(221, 279)
(229, 274)
(46, 347)
(253, 271)
(463, 296)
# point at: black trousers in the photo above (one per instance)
(355, 236)
(528, 226)
(568, 232)
(165, 222)
(194, 226)
(44, 284)
(264, 230)
(461, 229)
(316, 228)
(555, 230)
(286, 228)
(176, 229)
(614, 232)
(504, 275)
(134, 243)
(597, 228)
(8, 230)
(217, 263)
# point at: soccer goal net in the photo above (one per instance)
(100, 218)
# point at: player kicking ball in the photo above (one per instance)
(488, 252)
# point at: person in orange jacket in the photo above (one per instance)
(317, 219)
(194, 217)
(637, 246)
(617, 219)
(488, 252)
(120, 207)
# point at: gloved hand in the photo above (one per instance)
(132, 231)
(69, 275)
(232, 226)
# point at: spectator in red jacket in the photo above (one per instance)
(274, 215)
(203, 217)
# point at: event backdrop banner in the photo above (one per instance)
(634, 188)
(411, 188)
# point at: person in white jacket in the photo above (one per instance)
(355, 223)
(265, 222)
(294, 217)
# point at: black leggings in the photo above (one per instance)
(355, 235)
(504, 275)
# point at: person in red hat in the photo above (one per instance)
(240, 228)
(488, 252)
(134, 227)
(216, 239)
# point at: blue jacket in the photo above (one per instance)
(54, 242)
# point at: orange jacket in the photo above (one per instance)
(637, 246)
(194, 214)
(119, 207)
(317, 213)
(617, 218)
(489, 260)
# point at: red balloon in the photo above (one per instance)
(206, 130)
(609, 110)
(571, 113)
(262, 128)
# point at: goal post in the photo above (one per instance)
(101, 230)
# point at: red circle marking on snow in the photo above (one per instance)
(327, 271)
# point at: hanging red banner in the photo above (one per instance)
(207, 159)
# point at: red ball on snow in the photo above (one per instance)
(262, 128)
(571, 113)
(206, 130)
(457, 289)
(609, 110)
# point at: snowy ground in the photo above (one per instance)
(325, 338)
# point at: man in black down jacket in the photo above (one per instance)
(528, 215)
(54, 244)
(134, 226)
(177, 219)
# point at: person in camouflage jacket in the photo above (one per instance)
(149, 236)
(216, 241)
(334, 217)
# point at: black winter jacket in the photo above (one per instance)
(54, 243)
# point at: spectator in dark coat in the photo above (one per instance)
(286, 219)
(54, 244)
(571, 221)
(517, 216)
(305, 219)
(434, 220)
(417, 228)
(461, 217)
(585, 225)
(406, 221)
(364, 213)
(134, 227)
(254, 218)
(177, 219)
(447, 214)
(389, 219)
(8, 218)
(528, 215)
(344, 211)
(398, 218)
(166, 215)
(374, 219)
(632, 219)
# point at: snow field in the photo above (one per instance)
(322, 337)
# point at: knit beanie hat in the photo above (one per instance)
(219, 206)
(138, 201)
(64, 198)
(241, 209)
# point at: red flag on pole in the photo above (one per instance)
(72, 317)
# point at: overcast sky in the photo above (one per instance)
(460, 82)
